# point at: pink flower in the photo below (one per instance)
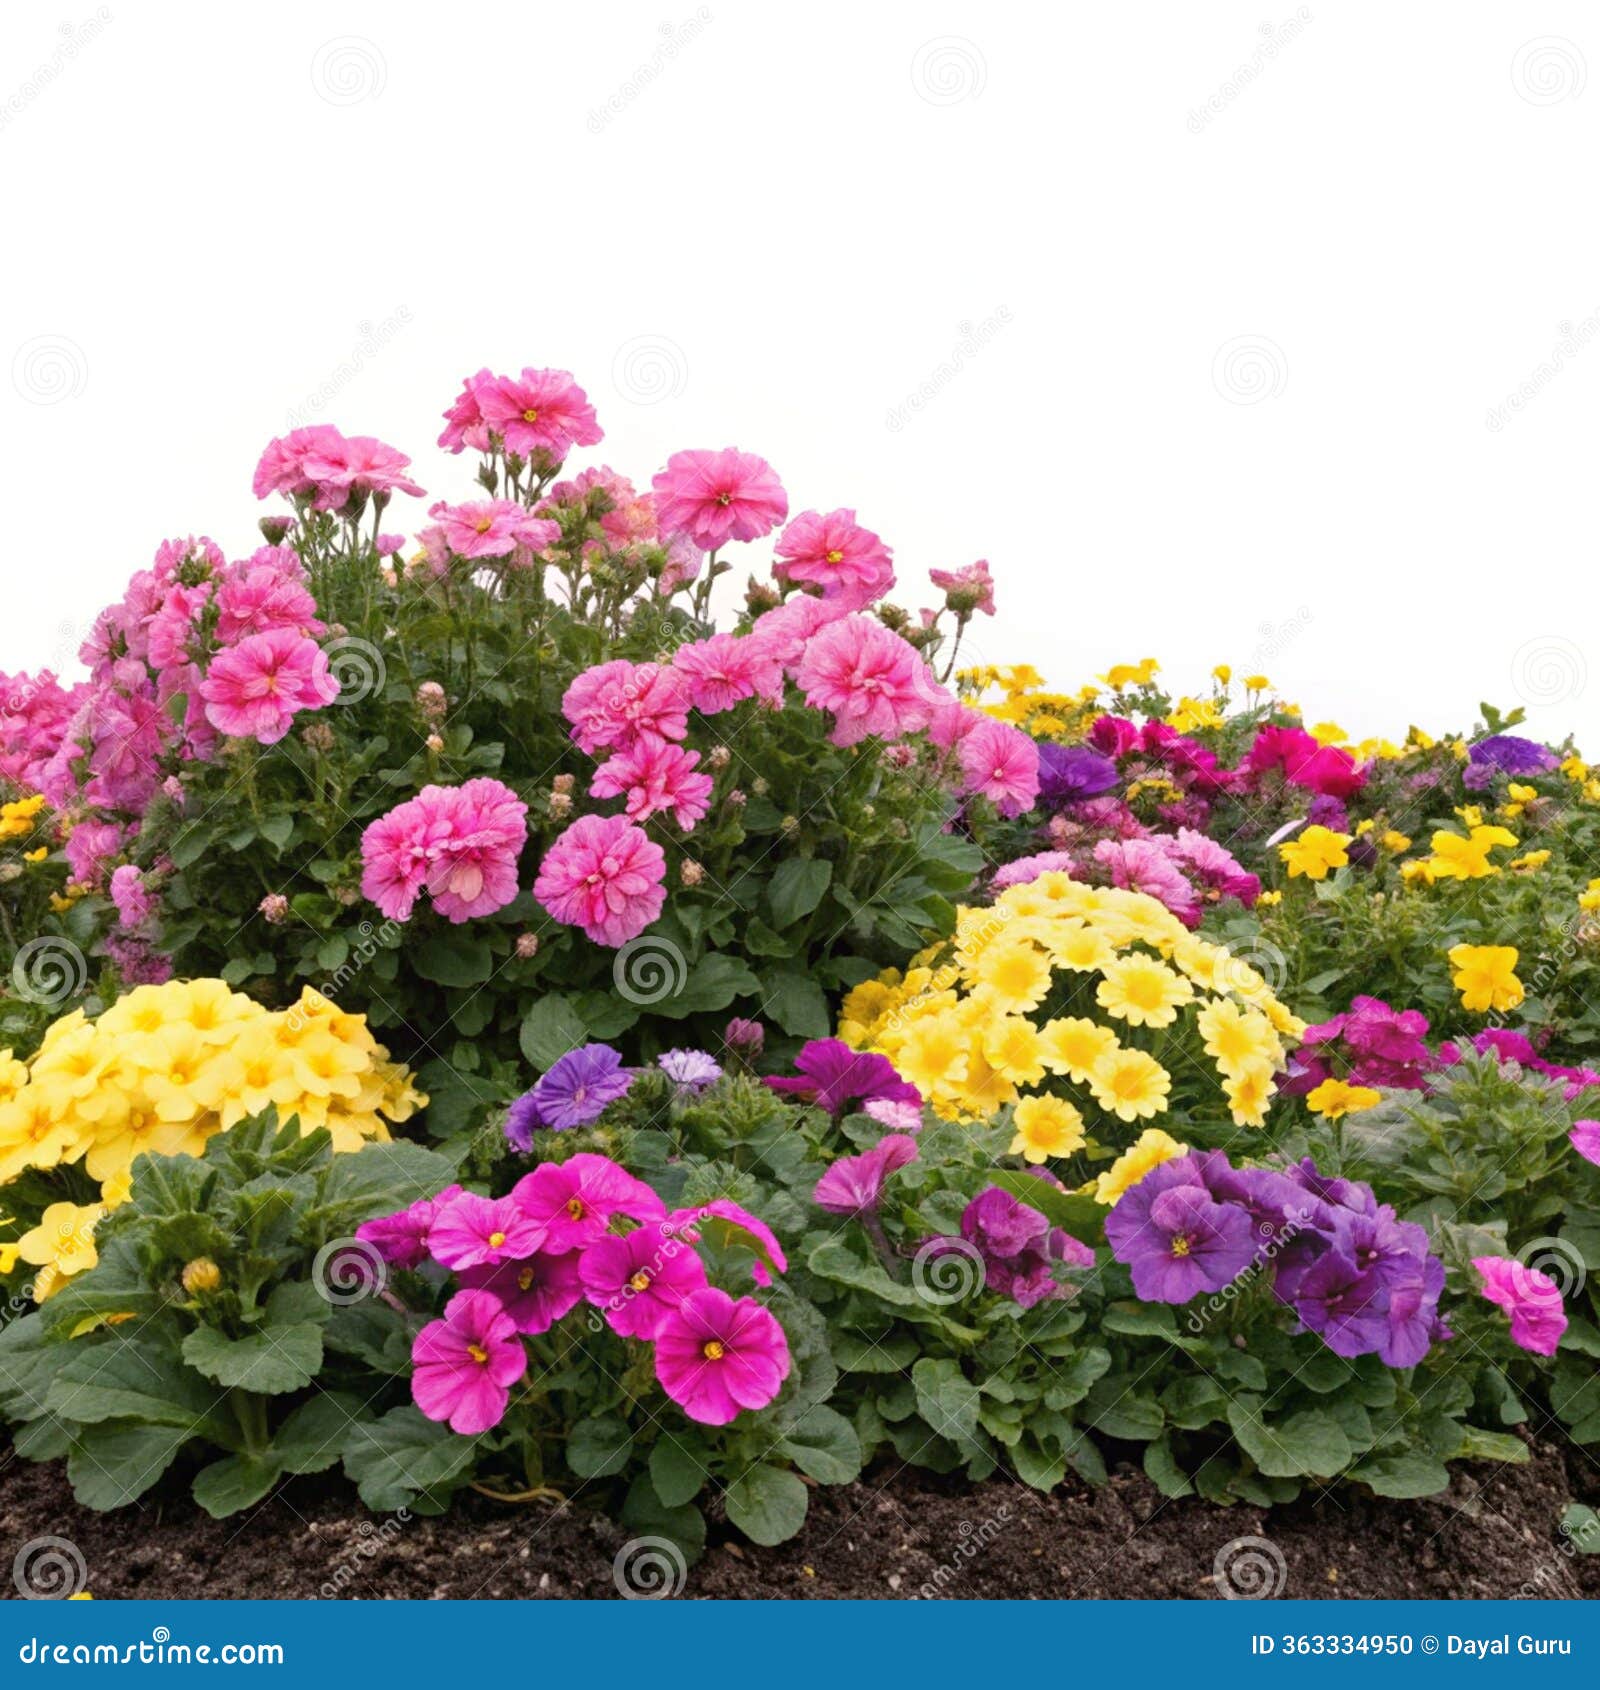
(461, 842)
(1025, 870)
(573, 1202)
(834, 553)
(654, 775)
(132, 897)
(784, 633)
(266, 593)
(1142, 866)
(854, 1185)
(535, 1292)
(637, 1281)
(540, 411)
(897, 1116)
(714, 497)
(871, 680)
(320, 462)
(1215, 865)
(282, 466)
(493, 528)
(1002, 763)
(1585, 1137)
(716, 1356)
(613, 703)
(952, 722)
(464, 422)
(465, 1365)
(727, 1223)
(255, 689)
(722, 671)
(684, 560)
(605, 876)
(967, 589)
(1531, 1298)
(471, 1231)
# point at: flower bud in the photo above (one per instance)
(274, 907)
(201, 1275)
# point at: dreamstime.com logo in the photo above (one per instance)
(49, 1569)
(649, 1569)
(1250, 1569)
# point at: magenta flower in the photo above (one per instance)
(727, 1223)
(834, 553)
(655, 777)
(716, 1356)
(833, 1076)
(574, 1201)
(726, 669)
(637, 1281)
(465, 1365)
(471, 1231)
(266, 593)
(402, 1238)
(853, 1185)
(1531, 1298)
(869, 678)
(461, 842)
(714, 497)
(535, 1292)
(540, 411)
(255, 689)
(1001, 763)
(605, 876)
(1585, 1137)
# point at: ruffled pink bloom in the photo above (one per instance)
(493, 528)
(1142, 866)
(1531, 1298)
(1114, 736)
(1001, 763)
(716, 1356)
(614, 703)
(605, 876)
(461, 842)
(35, 713)
(655, 776)
(282, 466)
(264, 594)
(853, 1185)
(90, 849)
(967, 589)
(835, 553)
(131, 896)
(464, 421)
(255, 689)
(471, 1231)
(952, 722)
(784, 633)
(535, 1292)
(175, 624)
(465, 1365)
(727, 1223)
(869, 678)
(1216, 866)
(321, 462)
(724, 670)
(683, 565)
(1025, 870)
(575, 1201)
(538, 411)
(714, 497)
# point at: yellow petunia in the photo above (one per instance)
(1334, 1099)
(1314, 853)
(1485, 976)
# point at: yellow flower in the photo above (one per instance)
(1248, 1091)
(1334, 1098)
(1314, 852)
(1395, 841)
(1014, 1049)
(1223, 672)
(1191, 714)
(1575, 769)
(1329, 733)
(1270, 898)
(62, 1241)
(1074, 944)
(37, 856)
(1046, 1126)
(1130, 1085)
(1238, 1039)
(1590, 898)
(1485, 976)
(1143, 992)
(1075, 1046)
(1529, 860)
(1149, 1150)
(1122, 675)
(934, 1055)
(1257, 683)
(1015, 977)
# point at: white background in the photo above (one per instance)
(1257, 293)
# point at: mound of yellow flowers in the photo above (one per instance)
(163, 1069)
(1058, 985)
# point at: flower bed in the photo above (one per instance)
(482, 1022)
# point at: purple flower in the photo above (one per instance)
(691, 1070)
(1069, 772)
(402, 1239)
(580, 1085)
(1018, 1246)
(522, 1120)
(1177, 1240)
(833, 1076)
(854, 1184)
(1512, 756)
(1345, 1307)
(535, 1291)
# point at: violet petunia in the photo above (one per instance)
(833, 1076)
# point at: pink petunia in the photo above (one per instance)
(535, 1291)
(1141, 865)
(132, 897)
(255, 689)
(834, 552)
(655, 777)
(716, 1356)
(853, 1185)
(265, 593)
(613, 703)
(1585, 1137)
(1531, 1298)
(538, 411)
(460, 842)
(573, 1202)
(493, 528)
(869, 678)
(465, 1365)
(725, 669)
(727, 1223)
(967, 589)
(1001, 763)
(605, 876)
(783, 634)
(471, 1231)
(714, 497)
(464, 421)
(637, 1281)
(331, 469)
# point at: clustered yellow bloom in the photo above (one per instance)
(1027, 705)
(971, 1028)
(1589, 898)
(1336, 1098)
(17, 817)
(1486, 976)
(1314, 852)
(167, 1066)
(1459, 857)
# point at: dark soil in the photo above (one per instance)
(1494, 1534)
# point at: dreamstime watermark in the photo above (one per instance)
(49, 1569)
(1250, 1569)
(648, 970)
(357, 665)
(974, 338)
(1548, 670)
(674, 38)
(373, 339)
(1248, 369)
(349, 69)
(972, 1541)
(1580, 1539)
(949, 69)
(1277, 1240)
(1574, 338)
(1274, 38)
(1276, 638)
(49, 972)
(649, 1569)
(366, 944)
(49, 369)
(649, 368)
(349, 1270)
(74, 38)
(374, 1540)
(1549, 69)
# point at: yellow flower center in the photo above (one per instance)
(496, 1239)
(478, 1353)
(713, 1350)
(724, 499)
(575, 1208)
(525, 1279)
(1180, 1245)
(483, 524)
(835, 557)
(530, 415)
(640, 1281)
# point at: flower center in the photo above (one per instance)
(525, 1279)
(496, 1239)
(724, 499)
(478, 1353)
(713, 1350)
(530, 415)
(1180, 1244)
(575, 1208)
(640, 1281)
(484, 524)
(835, 557)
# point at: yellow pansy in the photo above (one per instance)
(1485, 976)
(1314, 852)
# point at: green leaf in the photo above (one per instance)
(1116, 1407)
(652, 1575)
(713, 983)
(598, 1446)
(1580, 1525)
(374, 1180)
(1310, 1442)
(276, 1359)
(405, 1455)
(113, 1465)
(313, 1437)
(768, 1504)
(1406, 1473)
(235, 1482)
(948, 1401)
(1161, 1466)
(824, 1446)
(676, 1470)
(834, 1260)
(550, 1029)
(796, 889)
(277, 830)
(453, 959)
(131, 1379)
(1478, 1444)
(797, 1003)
